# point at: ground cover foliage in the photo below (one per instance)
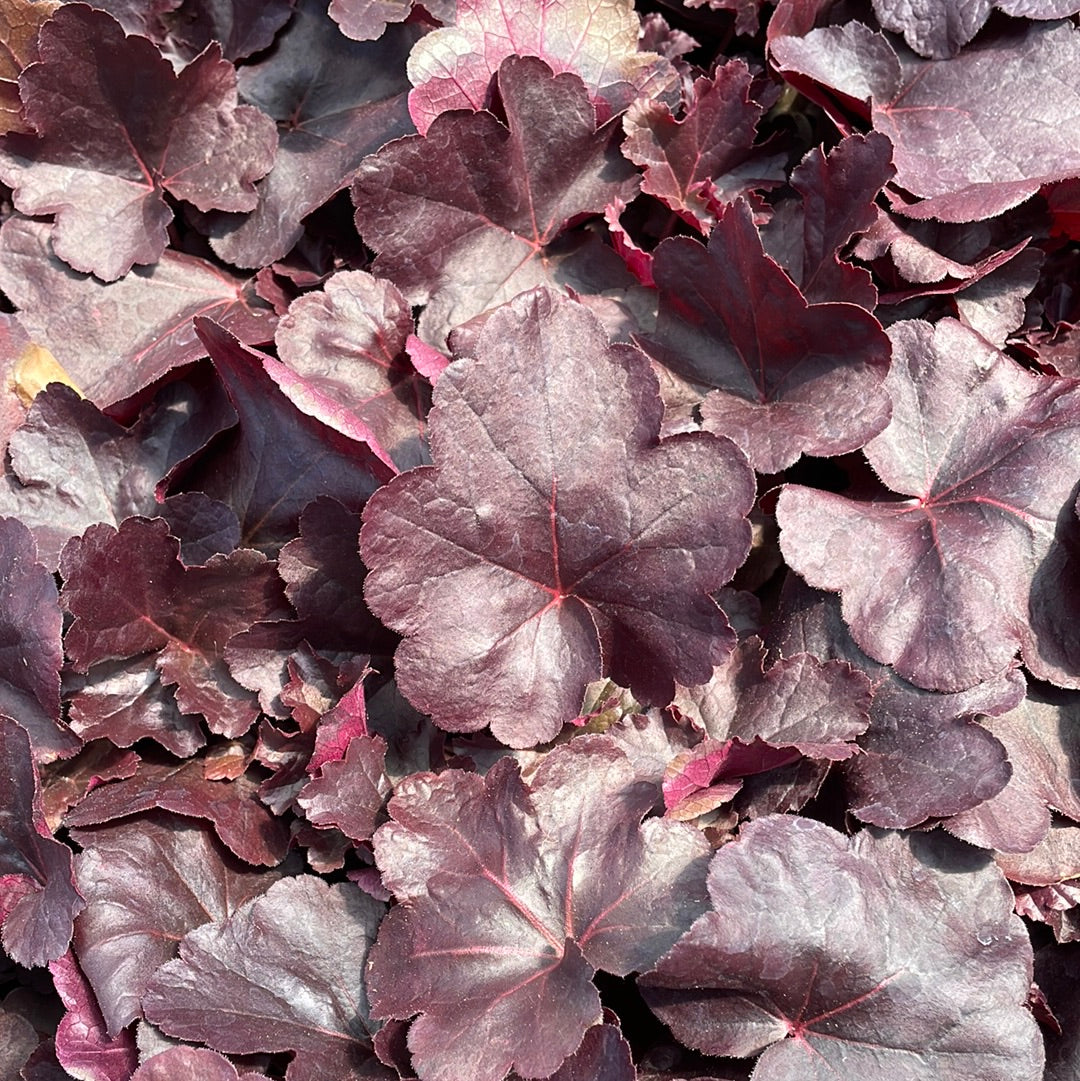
(540, 539)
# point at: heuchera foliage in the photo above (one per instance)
(539, 539)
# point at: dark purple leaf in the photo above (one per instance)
(242, 822)
(17, 1041)
(130, 595)
(873, 957)
(126, 932)
(948, 584)
(496, 195)
(838, 195)
(73, 467)
(335, 101)
(796, 378)
(285, 972)
(347, 346)
(205, 527)
(193, 1064)
(972, 137)
(280, 459)
(556, 539)
(32, 654)
(104, 164)
(240, 27)
(83, 1046)
(452, 68)
(923, 755)
(1058, 975)
(38, 899)
(350, 792)
(705, 158)
(512, 895)
(603, 1056)
(115, 339)
(1041, 738)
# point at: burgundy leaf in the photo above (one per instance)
(1044, 749)
(193, 1064)
(795, 379)
(244, 824)
(130, 595)
(83, 1046)
(116, 338)
(452, 68)
(63, 784)
(126, 932)
(973, 136)
(496, 195)
(838, 193)
(30, 623)
(73, 467)
(872, 957)
(706, 158)
(280, 459)
(946, 585)
(105, 156)
(347, 346)
(284, 972)
(20, 21)
(512, 895)
(603, 1056)
(923, 755)
(38, 898)
(335, 101)
(556, 539)
(349, 793)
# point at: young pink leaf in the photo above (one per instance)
(496, 195)
(193, 1064)
(949, 583)
(104, 156)
(556, 539)
(597, 40)
(512, 895)
(874, 957)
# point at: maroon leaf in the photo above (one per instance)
(347, 346)
(30, 623)
(280, 459)
(73, 467)
(452, 68)
(20, 21)
(873, 957)
(1044, 750)
(512, 896)
(284, 972)
(838, 195)
(694, 164)
(349, 793)
(923, 755)
(971, 137)
(130, 595)
(945, 586)
(795, 379)
(38, 898)
(244, 824)
(126, 932)
(556, 539)
(115, 339)
(103, 165)
(335, 101)
(603, 1056)
(83, 1047)
(496, 195)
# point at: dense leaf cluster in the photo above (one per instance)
(539, 539)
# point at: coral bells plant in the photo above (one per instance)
(539, 539)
